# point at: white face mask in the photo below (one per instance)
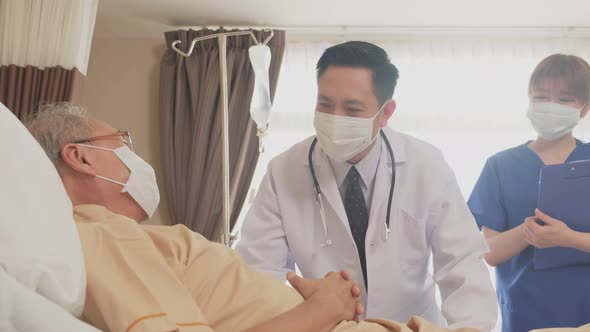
(343, 137)
(141, 185)
(551, 120)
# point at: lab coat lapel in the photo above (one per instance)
(384, 173)
(382, 185)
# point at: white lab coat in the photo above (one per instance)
(429, 219)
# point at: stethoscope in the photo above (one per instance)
(318, 190)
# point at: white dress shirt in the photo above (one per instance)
(367, 169)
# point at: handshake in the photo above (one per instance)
(335, 294)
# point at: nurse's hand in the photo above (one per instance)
(553, 234)
(333, 292)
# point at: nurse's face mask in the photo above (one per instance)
(343, 137)
(141, 185)
(554, 110)
(552, 120)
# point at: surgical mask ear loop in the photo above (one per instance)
(110, 180)
(104, 149)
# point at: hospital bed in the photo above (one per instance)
(42, 275)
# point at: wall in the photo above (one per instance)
(121, 88)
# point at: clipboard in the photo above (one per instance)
(564, 194)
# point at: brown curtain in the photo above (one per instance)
(23, 89)
(190, 124)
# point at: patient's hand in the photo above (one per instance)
(334, 292)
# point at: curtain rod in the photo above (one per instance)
(540, 31)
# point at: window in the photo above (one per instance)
(453, 93)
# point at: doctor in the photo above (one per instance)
(361, 197)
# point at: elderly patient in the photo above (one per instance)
(167, 278)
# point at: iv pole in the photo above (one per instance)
(226, 237)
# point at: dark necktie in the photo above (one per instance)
(358, 216)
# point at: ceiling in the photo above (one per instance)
(150, 18)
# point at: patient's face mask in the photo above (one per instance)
(141, 185)
(343, 137)
(552, 120)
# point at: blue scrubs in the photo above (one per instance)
(505, 194)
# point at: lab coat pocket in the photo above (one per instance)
(414, 252)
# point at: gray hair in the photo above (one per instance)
(58, 124)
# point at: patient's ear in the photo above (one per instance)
(78, 159)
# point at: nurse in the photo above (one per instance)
(504, 203)
(361, 197)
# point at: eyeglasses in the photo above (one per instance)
(124, 134)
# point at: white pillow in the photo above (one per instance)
(22, 310)
(39, 243)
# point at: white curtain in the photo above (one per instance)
(47, 33)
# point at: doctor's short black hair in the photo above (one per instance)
(363, 55)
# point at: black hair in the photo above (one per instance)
(363, 55)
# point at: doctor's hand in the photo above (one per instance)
(553, 234)
(334, 292)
